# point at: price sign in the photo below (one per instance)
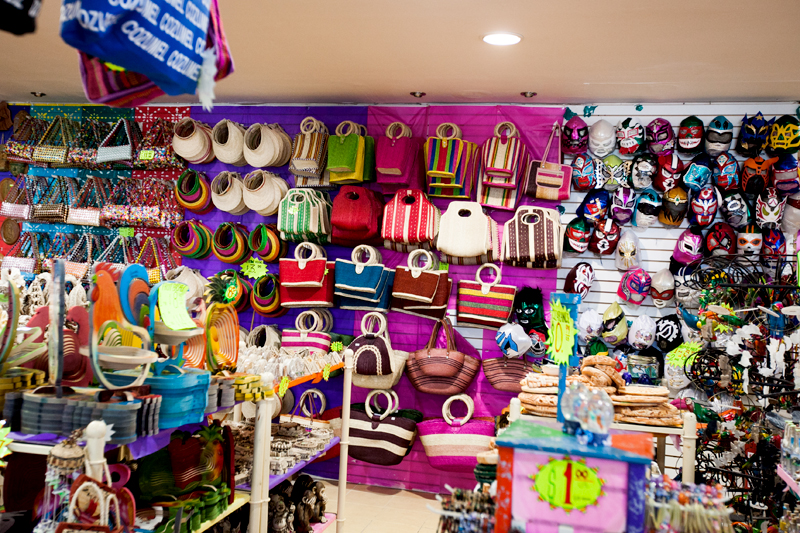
(283, 386)
(568, 484)
(561, 335)
(326, 372)
(146, 155)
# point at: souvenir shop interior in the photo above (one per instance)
(447, 278)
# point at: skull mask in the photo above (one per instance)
(756, 174)
(630, 136)
(749, 242)
(627, 256)
(583, 171)
(647, 206)
(642, 332)
(753, 135)
(576, 136)
(615, 325)
(689, 247)
(662, 288)
(769, 208)
(576, 237)
(668, 333)
(623, 200)
(774, 246)
(605, 237)
(703, 207)
(685, 291)
(614, 173)
(594, 206)
(719, 136)
(590, 325)
(735, 209)
(643, 169)
(726, 172)
(660, 137)
(634, 286)
(602, 138)
(784, 136)
(720, 240)
(669, 173)
(698, 173)
(674, 207)
(690, 135)
(579, 279)
(787, 180)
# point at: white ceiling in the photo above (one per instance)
(377, 51)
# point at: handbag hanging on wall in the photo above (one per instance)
(356, 217)
(467, 236)
(485, 305)
(382, 438)
(503, 163)
(312, 339)
(549, 181)
(441, 371)
(410, 221)
(398, 160)
(310, 154)
(305, 282)
(372, 350)
(364, 285)
(421, 289)
(505, 374)
(25, 255)
(533, 238)
(449, 163)
(305, 215)
(17, 203)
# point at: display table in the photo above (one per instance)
(547, 482)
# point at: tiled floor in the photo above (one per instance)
(381, 510)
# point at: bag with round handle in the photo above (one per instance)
(372, 349)
(453, 444)
(421, 290)
(307, 281)
(485, 304)
(450, 163)
(382, 437)
(312, 338)
(310, 149)
(443, 371)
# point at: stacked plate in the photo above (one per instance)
(17, 379)
(12, 410)
(213, 396)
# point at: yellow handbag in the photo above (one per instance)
(357, 175)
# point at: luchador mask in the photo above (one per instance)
(757, 174)
(642, 332)
(669, 173)
(675, 379)
(583, 171)
(623, 200)
(513, 341)
(576, 236)
(579, 279)
(726, 172)
(648, 204)
(668, 333)
(753, 135)
(674, 207)
(749, 242)
(703, 207)
(628, 254)
(529, 310)
(769, 208)
(576, 136)
(735, 208)
(614, 173)
(660, 137)
(602, 138)
(643, 169)
(791, 217)
(594, 206)
(685, 287)
(720, 240)
(787, 180)
(719, 136)
(773, 245)
(605, 237)
(630, 136)
(689, 247)
(698, 173)
(615, 325)
(784, 136)
(634, 286)
(662, 288)
(690, 135)
(590, 325)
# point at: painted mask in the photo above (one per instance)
(590, 325)
(685, 287)
(753, 135)
(662, 288)
(512, 340)
(773, 245)
(605, 237)
(674, 207)
(576, 236)
(784, 136)
(749, 241)
(583, 171)
(642, 332)
(660, 137)
(594, 206)
(669, 173)
(668, 333)
(703, 207)
(615, 325)
(627, 256)
(719, 136)
(757, 174)
(602, 138)
(614, 173)
(630, 136)
(787, 180)
(675, 379)
(579, 279)
(689, 247)
(735, 208)
(698, 173)
(726, 172)
(634, 286)
(643, 169)
(623, 200)
(769, 208)
(720, 240)
(648, 203)
(576, 136)
(690, 135)
(529, 310)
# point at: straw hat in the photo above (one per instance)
(226, 193)
(267, 145)
(263, 192)
(228, 140)
(192, 141)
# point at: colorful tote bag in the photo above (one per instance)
(410, 221)
(482, 304)
(533, 238)
(549, 181)
(313, 338)
(382, 438)
(440, 371)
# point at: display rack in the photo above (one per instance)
(239, 499)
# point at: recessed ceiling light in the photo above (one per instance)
(528, 94)
(38, 94)
(417, 94)
(502, 38)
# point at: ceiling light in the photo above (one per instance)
(502, 38)
(528, 94)
(417, 94)
(38, 94)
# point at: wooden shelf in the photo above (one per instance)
(274, 481)
(239, 500)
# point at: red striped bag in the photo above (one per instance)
(313, 339)
(504, 156)
(410, 221)
(485, 304)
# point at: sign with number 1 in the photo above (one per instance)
(568, 484)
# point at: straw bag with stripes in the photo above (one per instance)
(382, 438)
(485, 304)
(442, 371)
(313, 338)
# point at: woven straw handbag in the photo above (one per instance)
(534, 238)
(382, 438)
(485, 305)
(549, 181)
(441, 371)
(310, 149)
(372, 349)
(313, 338)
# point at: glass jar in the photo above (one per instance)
(639, 365)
